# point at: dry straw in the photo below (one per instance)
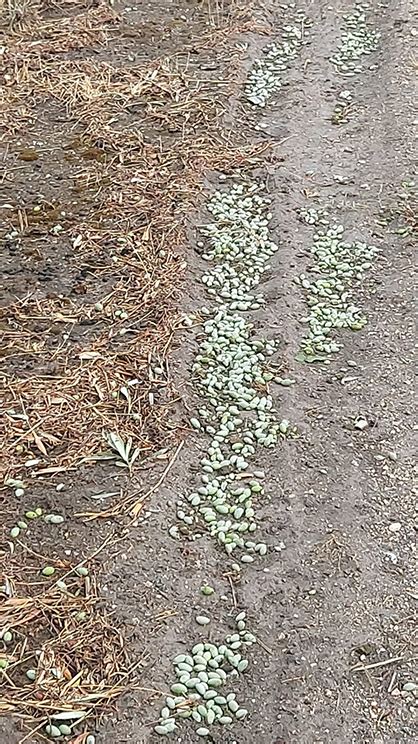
(63, 636)
(91, 358)
(86, 374)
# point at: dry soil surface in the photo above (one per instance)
(333, 602)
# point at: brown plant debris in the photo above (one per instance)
(59, 632)
(79, 365)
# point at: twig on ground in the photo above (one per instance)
(376, 664)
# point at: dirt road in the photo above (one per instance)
(333, 602)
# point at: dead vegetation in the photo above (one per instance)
(89, 360)
(333, 551)
(63, 658)
(17, 13)
(85, 368)
(401, 214)
(97, 359)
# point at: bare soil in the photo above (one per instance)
(334, 602)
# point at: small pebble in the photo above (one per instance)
(361, 424)
(202, 620)
(395, 527)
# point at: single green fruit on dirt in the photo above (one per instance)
(54, 518)
(207, 590)
(48, 571)
(65, 730)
